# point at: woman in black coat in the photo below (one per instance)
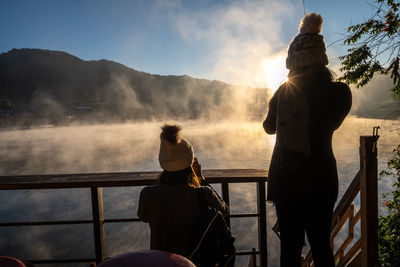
(303, 113)
(173, 207)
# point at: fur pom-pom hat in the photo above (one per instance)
(176, 153)
(308, 47)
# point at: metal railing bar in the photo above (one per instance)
(235, 215)
(247, 252)
(262, 223)
(122, 220)
(241, 215)
(8, 224)
(99, 232)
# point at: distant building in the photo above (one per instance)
(8, 111)
(84, 107)
(91, 105)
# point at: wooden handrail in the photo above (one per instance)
(96, 181)
(347, 198)
(115, 179)
(364, 252)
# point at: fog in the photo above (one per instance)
(247, 47)
(134, 147)
(243, 47)
(122, 147)
(375, 99)
(240, 36)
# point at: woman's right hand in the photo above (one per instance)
(197, 169)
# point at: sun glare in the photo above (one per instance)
(275, 72)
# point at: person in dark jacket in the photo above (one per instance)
(304, 113)
(172, 207)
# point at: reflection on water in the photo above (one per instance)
(134, 147)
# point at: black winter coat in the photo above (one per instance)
(172, 211)
(303, 113)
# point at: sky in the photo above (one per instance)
(235, 41)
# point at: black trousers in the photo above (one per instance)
(297, 217)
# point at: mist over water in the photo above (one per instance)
(128, 147)
(134, 147)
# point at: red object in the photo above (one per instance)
(147, 258)
(10, 262)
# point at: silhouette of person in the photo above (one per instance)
(172, 207)
(303, 113)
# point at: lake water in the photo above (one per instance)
(134, 147)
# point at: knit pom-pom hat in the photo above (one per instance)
(176, 153)
(308, 47)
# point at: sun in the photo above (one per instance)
(274, 71)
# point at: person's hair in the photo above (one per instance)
(186, 176)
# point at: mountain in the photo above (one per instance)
(57, 86)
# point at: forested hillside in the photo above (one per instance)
(58, 87)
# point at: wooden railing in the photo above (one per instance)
(364, 251)
(96, 181)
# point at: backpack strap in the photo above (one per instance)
(204, 234)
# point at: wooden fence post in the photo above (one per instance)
(98, 223)
(262, 224)
(369, 200)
